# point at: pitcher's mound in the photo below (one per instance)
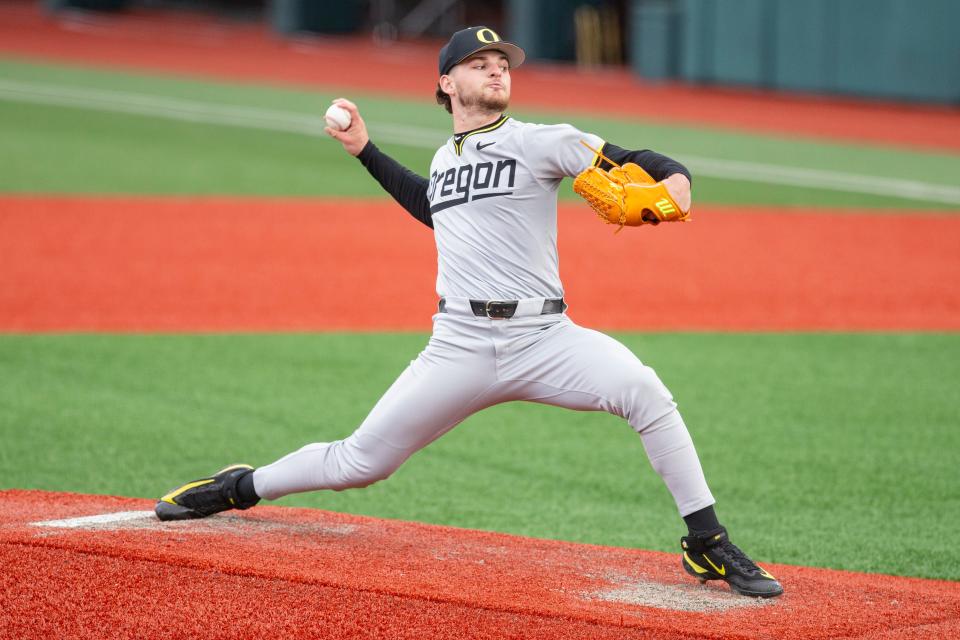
(101, 566)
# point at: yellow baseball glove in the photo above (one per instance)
(627, 195)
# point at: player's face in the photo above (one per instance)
(483, 80)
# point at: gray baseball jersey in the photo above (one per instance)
(492, 195)
(493, 200)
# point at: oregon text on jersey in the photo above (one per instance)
(471, 182)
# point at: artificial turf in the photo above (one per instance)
(822, 449)
(72, 148)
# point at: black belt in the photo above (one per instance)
(506, 308)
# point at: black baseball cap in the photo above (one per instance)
(466, 42)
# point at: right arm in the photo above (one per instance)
(406, 187)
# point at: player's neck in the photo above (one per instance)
(470, 119)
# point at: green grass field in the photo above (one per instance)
(833, 450)
(824, 450)
(63, 132)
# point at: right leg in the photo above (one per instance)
(451, 379)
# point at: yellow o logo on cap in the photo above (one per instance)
(483, 34)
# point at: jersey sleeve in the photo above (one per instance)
(556, 151)
(407, 188)
(658, 166)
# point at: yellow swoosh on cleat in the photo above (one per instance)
(764, 573)
(190, 485)
(722, 570)
(693, 564)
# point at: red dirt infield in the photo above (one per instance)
(202, 46)
(317, 574)
(221, 264)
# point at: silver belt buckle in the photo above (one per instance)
(486, 309)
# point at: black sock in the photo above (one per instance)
(702, 521)
(245, 490)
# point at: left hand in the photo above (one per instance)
(679, 189)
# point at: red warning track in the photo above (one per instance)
(329, 575)
(220, 264)
(202, 46)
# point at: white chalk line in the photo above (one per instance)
(820, 179)
(96, 520)
(238, 525)
(203, 112)
(427, 138)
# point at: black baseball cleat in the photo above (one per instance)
(711, 556)
(206, 496)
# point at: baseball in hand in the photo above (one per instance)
(337, 118)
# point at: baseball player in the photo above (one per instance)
(501, 332)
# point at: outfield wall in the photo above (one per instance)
(892, 49)
(887, 48)
(901, 49)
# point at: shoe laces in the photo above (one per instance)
(737, 556)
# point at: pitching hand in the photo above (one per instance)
(354, 138)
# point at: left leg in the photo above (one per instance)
(566, 365)
(569, 366)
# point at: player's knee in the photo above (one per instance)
(373, 473)
(362, 466)
(644, 397)
(360, 477)
(644, 385)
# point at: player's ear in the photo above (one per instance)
(446, 85)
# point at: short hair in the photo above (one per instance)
(443, 99)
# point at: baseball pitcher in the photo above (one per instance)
(501, 332)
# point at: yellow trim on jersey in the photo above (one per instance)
(458, 146)
(598, 155)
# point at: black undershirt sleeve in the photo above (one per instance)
(658, 166)
(406, 187)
